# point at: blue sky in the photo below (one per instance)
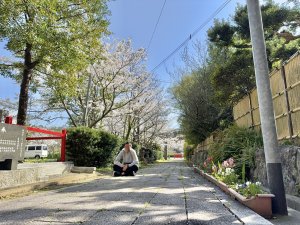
(136, 19)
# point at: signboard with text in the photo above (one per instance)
(12, 142)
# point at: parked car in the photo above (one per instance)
(36, 151)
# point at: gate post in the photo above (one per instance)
(63, 146)
(8, 119)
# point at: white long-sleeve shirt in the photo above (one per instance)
(126, 157)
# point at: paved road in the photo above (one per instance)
(167, 193)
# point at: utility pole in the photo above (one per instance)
(273, 162)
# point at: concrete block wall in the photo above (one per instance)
(49, 169)
(28, 173)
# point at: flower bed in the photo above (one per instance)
(253, 197)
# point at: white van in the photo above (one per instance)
(36, 151)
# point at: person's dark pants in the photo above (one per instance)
(128, 172)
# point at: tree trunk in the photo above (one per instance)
(23, 98)
(128, 129)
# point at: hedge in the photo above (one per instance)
(91, 147)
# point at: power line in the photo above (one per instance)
(164, 81)
(193, 34)
(156, 24)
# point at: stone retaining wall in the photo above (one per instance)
(28, 173)
(199, 156)
(290, 159)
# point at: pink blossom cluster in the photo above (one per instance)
(207, 161)
(207, 164)
(229, 163)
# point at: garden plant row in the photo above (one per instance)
(250, 194)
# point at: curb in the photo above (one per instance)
(293, 202)
(82, 169)
(241, 212)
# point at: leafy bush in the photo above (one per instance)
(188, 152)
(159, 154)
(239, 143)
(150, 153)
(54, 155)
(91, 147)
(136, 147)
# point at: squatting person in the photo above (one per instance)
(129, 159)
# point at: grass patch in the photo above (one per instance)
(44, 160)
(105, 170)
(180, 178)
(162, 161)
(143, 165)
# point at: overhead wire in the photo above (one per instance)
(161, 11)
(213, 15)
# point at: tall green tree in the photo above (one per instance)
(49, 38)
(194, 95)
(232, 74)
(230, 48)
(199, 115)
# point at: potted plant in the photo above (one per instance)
(252, 195)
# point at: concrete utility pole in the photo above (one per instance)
(273, 162)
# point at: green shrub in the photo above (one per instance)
(159, 155)
(158, 151)
(54, 155)
(150, 153)
(188, 152)
(239, 143)
(91, 147)
(136, 146)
